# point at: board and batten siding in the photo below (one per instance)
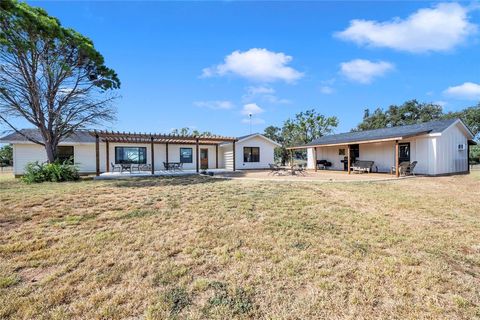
(267, 154)
(449, 159)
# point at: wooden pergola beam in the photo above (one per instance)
(397, 155)
(97, 155)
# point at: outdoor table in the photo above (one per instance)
(126, 166)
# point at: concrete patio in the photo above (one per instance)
(158, 173)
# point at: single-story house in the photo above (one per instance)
(439, 148)
(97, 151)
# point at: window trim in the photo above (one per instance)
(191, 155)
(245, 159)
(66, 146)
(130, 147)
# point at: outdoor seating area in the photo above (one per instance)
(405, 168)
(174, 166)
(363, 166)
(130, 167)
(293, 170)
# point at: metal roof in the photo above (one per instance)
(382, 134)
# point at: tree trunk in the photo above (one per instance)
(51, 151)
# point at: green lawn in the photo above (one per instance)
(198, 248)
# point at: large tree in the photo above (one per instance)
(6, 155)
(50, 76)
(471, 117)
(410, 112)
(301, 129)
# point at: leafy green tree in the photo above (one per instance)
(410, 112)
(189, 132)
(6, 155)
(471, 117)
(275, 133)
(51, 76)
(301, 129)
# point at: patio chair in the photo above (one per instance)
(402, 167)
(362, 166)
(166, 166)
(145, 167)
(115, 166)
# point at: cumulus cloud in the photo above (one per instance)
(263, 93)
(326, 90)
(364, 71)
(256, 64)
(440, 28)
(466, 91)
(251, 108)
(214, 104)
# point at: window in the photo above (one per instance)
(186, 155)
(65, 154)
(251, 154)
(341, 152)
(404, 152)
(134, 155)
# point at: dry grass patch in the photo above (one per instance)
(198, 248)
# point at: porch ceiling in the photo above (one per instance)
(129, 137)
(345, 143)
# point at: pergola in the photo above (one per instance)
(157, 138)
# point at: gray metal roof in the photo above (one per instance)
(80, 136)
(384, 133)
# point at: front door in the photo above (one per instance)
(403, 152)
(204, 158)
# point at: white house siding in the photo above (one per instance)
(422, 150)
(226, 159)
(266, 153)
(83, 154)
(449, 159)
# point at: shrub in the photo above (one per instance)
(49, 172)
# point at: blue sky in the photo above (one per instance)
(207, 65)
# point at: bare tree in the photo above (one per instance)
(50, 76)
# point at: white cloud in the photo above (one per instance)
(363, 71)
(215, 104)
(259, 90)
(251, 108)
(440, 28)
(326, 90)
(266, 94)
(467, 91)
(254, 121)
(257, 65)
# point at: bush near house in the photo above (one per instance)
(36, 172)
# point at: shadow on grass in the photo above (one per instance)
(165, 181)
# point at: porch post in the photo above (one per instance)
(197, 156)
(107, 155)
(348, 159)
(166, 152)
(216, 155)
(97, 155)
(234, 156)
(397, 173)
(315, 158)
(152, 154)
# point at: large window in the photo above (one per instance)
(65, 154)
(251, 154)
(134, 155)
(186, 155)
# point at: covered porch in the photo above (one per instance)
(386, 157)
(122, 154)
